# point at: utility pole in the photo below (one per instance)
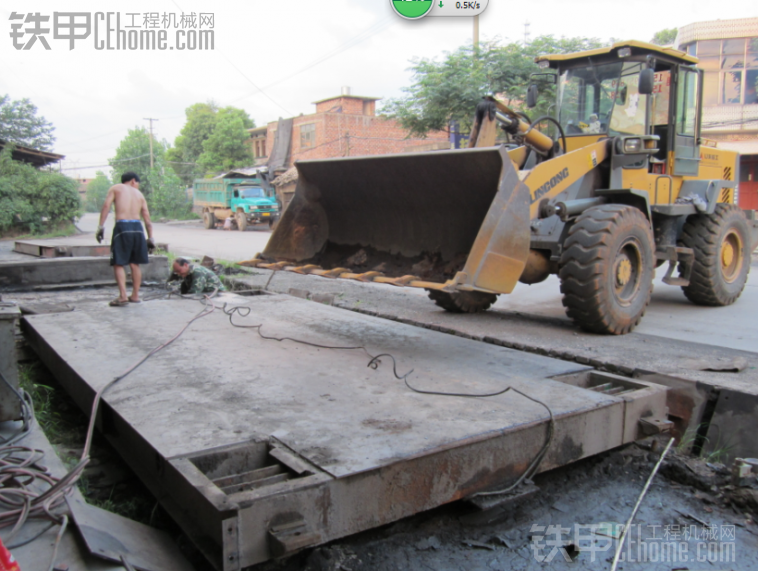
(151, 119)
(526, 32)
(476, 33)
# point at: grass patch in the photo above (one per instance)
(62, 230)
(65, 426)
(61, 421)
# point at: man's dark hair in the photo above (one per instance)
(127, 176)
(181, 261)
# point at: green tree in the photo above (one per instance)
(161, 186)
(20, 124)
(169, 197)
(133, 154)
(31, 199)
(97, 189)
(665, 37)
(447, 90)
(226, 148)
(188, 145)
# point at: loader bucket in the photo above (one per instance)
(424, 215)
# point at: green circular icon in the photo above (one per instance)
(411, 9)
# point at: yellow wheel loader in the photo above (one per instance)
(625, 185)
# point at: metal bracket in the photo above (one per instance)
(289, 533)
(651, 426)
(685, 257)
(230, 542)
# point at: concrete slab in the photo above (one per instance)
(61, 248)
(344, 447)
(20, 275)
(724, 333)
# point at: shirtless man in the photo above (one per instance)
(128, 244)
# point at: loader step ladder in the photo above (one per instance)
(675, 255)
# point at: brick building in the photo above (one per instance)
(342, 126)
(727, 52)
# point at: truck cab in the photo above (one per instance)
(253, 202)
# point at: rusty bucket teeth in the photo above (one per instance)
(307, 269)
(368, 276)
(404, 280)
(334, 273)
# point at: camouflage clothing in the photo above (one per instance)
(201, 280)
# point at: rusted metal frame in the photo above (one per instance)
(60, 251)
(327, 508)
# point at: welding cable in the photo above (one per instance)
(244, 311)
(620, 545)
(58, 537)
(373, 362)
(126, 564)
(101, 391)
(535, 463)
(271, 277)
(16, 497)
(17, 473)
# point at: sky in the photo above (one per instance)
(272, 59)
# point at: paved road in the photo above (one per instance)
(669, 315)
(191, 239)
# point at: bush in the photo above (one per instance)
(30, 199)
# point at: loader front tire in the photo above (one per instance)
(209, 220)
(462, 301)
(721, 242)
(606, 269)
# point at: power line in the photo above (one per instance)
(222, 54)
(108, 165)
(369, 32)
(380, 26)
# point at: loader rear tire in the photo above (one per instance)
(462, 301)
(607, 268)
(721, 242)
(209, 220)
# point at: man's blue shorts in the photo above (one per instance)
(128, 244)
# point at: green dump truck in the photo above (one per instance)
(244, 200)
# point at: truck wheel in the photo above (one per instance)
(241, 221)
(606, 269)
(209, 220)
(722, 255)
(272, 224)
(462, 301)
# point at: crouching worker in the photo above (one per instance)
(195, 278)
(128, 244)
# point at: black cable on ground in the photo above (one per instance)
(18, 503)
(244, 311)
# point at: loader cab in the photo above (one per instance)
(599, 96)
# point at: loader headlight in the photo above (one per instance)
(632, 145)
